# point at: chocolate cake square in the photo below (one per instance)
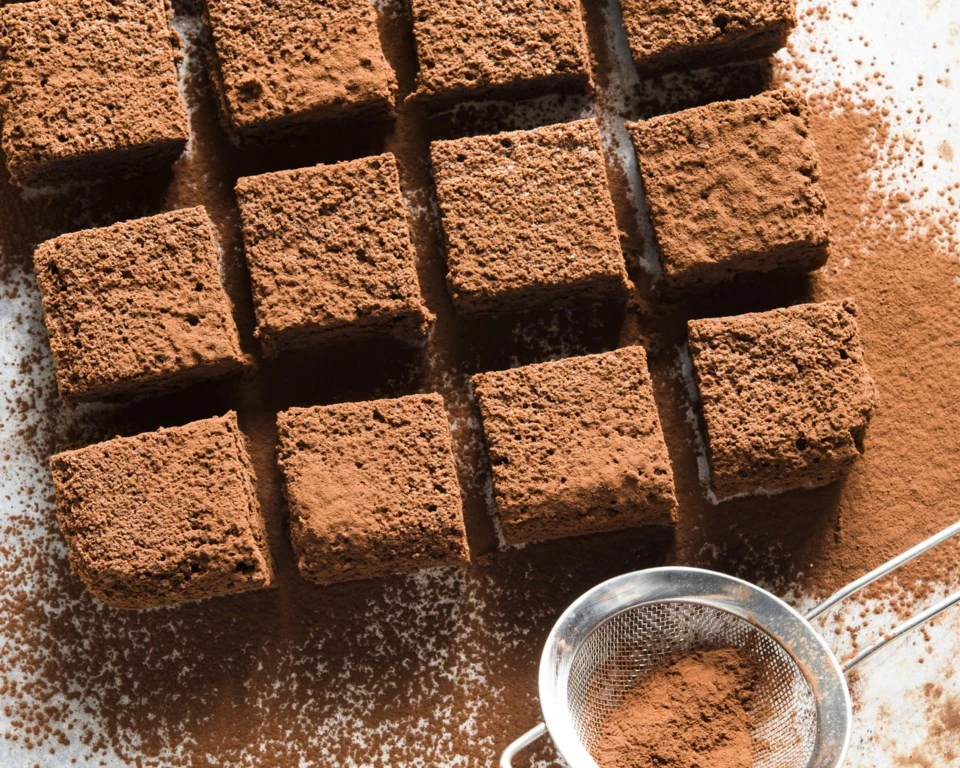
(576, 447)
(515, 48)
(281, 65)
(528, 219)
(677, 35)
(137, 307)
(372, 488)
(330, 254)
(88, 88)
(732, 188)
(163, 517)
(785, 397)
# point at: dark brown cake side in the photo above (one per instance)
(576, 447)
(164, 517)
(278, 65)
(372, 488)
(785, 396)
(330, 254)
(516, 48)
(528, 219)
(676, 35)
(137, 307)
(88, 88)
(732, 188)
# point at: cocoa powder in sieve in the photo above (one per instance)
(697, 712)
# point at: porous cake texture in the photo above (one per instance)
(88, 88)
(280, 65)
(785, 396)
(576, 447)
(372, 488)
(137, 307)
(515, 48)
(676, 35)
(528, 219)
(164, 517)
(733, 188)
(330, 254)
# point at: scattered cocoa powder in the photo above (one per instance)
(696, 713)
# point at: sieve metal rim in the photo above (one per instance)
(762, 609)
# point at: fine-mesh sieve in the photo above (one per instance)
(623, 629)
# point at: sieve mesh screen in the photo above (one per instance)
(647, 637)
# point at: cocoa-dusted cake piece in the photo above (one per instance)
(330, 254)
(732, 188)
(88, 88)
(372, 488)
(785, 397)
(528, 219)
(576, 447)
(164, 517)
(514, 48)
(281, 65)
(137, 307)
(676, 35)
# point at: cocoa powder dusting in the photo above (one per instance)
(439, 668)
(697, 712)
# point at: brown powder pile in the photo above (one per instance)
(696, 713)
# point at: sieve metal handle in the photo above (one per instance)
(537, 732)
(907, 626)
(877, 573)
